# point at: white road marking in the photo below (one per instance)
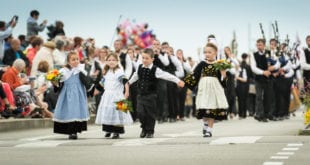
(175, 135)
(39, 137)
(273, 163)
(140, 142)
(235, 140)
(47, 143)
(295, 145)
(290, 149)
(285, 153)
(279, 157)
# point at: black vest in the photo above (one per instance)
(122, 58)
(261, 63)
(157, 62)
(306, 73)
(171, 68)
(147, 80)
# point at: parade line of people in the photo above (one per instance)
(162, 84)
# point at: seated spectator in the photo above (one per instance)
(36, 44)
(11, 76)
(7, 100)
(23, 42)
(44, 54)
(13, 53)
(59, 53)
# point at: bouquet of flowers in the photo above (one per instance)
(307, 117)
(305, 97)
(124, 105)
(222, 64)
(53, 75)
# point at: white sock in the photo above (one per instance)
(209, 129)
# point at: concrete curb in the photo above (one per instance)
(7, 125)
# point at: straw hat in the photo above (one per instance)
(50, 44)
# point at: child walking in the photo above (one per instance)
(113, 120)
(71, 112)
(147, 75)
(211, 102)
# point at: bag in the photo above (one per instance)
(252, 89)
(295, 102)
(22, 99)
(86, 81)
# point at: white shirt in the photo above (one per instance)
(59, 57)
(235, 64)
(128, 69)
(160, 74)
(303, 62)
(177, 63)
(67, 73)
(3, 35)
(164, 59)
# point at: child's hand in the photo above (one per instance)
(181, 84)
(126, 95)
(96, 92)
(223, 73)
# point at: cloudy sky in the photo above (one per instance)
(184, 24)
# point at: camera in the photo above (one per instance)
(31, 78)
(15, 18)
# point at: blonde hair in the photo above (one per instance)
(212, 46)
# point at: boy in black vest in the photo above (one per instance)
(147, 75)
(262, 67)
(305, 63)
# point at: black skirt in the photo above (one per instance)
(113, 129)
(216, 114)
(70, 128)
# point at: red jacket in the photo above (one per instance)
(11, 77)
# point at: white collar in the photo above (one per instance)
(261, 53)
(149, 67)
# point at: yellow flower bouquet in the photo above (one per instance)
(222, 64)
(307, 117)
(53, 75)
(305, 98)
(124, 105)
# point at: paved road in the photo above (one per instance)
(235, 142)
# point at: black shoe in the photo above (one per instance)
(264, 120)
(6, 113)
(73, 136)
(142, 134)
(108, 134)
(172, 120)
(257, 118)
(272, 118)
(149, 135)
(204, 131)
(115, 136)
(207, 134)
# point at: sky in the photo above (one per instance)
(185, 24)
